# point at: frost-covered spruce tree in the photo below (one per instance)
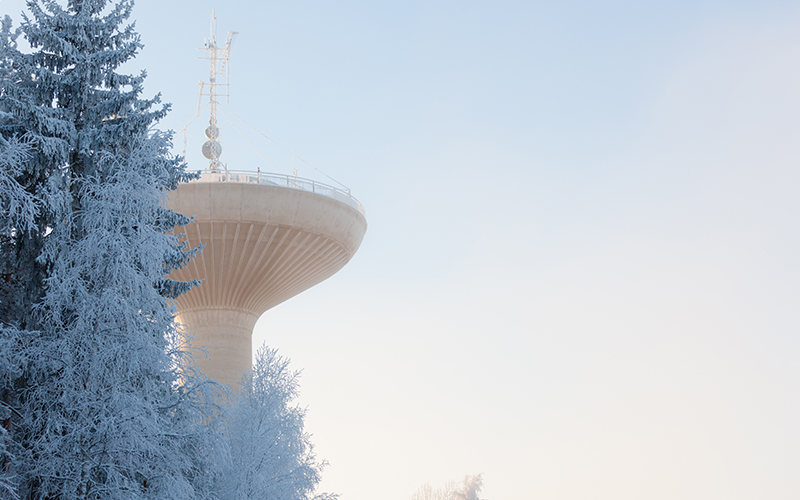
(91, 403)
(270, 455)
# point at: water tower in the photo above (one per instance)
(267, 238)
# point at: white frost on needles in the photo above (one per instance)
(97, 401)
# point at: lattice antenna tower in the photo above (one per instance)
(218, 68)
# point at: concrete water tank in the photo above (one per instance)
(267, 238)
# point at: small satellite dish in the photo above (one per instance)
(212, 132)
(212, 149)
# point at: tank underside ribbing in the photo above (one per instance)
(262, 245)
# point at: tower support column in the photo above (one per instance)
(226, 335)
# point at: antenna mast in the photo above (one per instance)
(218, 68)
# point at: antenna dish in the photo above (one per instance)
(212, 150)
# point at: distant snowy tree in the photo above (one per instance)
(91, 400)
(270, 455)
(468, 489)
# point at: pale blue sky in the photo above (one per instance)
(581, 271)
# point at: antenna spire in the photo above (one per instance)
(218, 68)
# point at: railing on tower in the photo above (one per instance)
(281, 180)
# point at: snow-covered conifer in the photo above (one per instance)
(92, 401)
(96, 400)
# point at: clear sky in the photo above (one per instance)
(581, 272)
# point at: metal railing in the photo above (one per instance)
(281, 180)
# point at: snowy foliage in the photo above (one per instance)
(91, 406)
(19, 207)
(101, 386)
(468, 489)
(271, 456)
(66, 109)
(97, 401)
